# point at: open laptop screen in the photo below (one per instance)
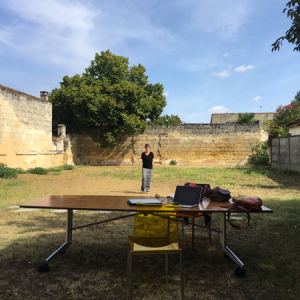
(187, 195)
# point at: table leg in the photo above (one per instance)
(43, 267)
(226, 249)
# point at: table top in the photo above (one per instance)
(115, 203)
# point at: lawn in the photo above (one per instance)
(94, 267)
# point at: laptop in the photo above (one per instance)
(188, 196)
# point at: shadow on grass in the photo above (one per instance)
(94, 267)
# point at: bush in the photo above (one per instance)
(6, 172)
(246, 118)
(20, 171)
(38, 171)
(68, 167)
(260, 156)
(173, 162)
(55, 169)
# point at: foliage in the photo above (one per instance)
(6, 172)
(110, 99)
(260, 155)
(284, 115)
(38, 171)
(293, 34)
(20, 171)
(55, 169)
(166, 120)
(297, 96)
(173, 162)
(68, 167)
(246, 118)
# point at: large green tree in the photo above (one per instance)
(293, 34)
(110, 99)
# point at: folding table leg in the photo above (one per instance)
(240, 271)
(43, 267)
(193, 233)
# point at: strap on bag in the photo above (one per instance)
(242, 209)
(239, 208)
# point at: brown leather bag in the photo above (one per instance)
(217, 194)
(245, 204)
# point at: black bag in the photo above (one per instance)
(218, 195)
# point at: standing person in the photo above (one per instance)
(147, 158)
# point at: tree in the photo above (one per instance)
(246, 118)
(297, 96)
(284, 115)
(166, 120)
(109, 100)
(293, 34)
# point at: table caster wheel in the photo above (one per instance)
(240, 272)
(43, 267)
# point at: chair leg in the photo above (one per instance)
(166, 268)
(130, 275)
(128, 259)
(193, 233)
(181, 276)
(209, 231)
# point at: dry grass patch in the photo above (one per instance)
(94, 267)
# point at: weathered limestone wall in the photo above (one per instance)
(232, 117)
(200, 144)
(26, 131)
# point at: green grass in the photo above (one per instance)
(94, 267)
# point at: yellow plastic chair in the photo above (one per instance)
(155, 232)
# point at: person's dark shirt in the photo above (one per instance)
(147, 160)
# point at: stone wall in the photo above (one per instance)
(195, 144)
(232, 117)
(285, 153)
(26, 131)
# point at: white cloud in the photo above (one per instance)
(69, 33)
(243, 68)
(224, 73)
(257, 98)
(218, 109)
(226, 54)
(166, 94)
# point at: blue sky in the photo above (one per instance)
(211, 56)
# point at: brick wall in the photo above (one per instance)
(200, 144)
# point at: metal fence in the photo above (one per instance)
(285, 153)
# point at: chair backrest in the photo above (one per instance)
(157, 221)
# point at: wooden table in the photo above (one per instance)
(119, 203)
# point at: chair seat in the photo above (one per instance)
(152, 245)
